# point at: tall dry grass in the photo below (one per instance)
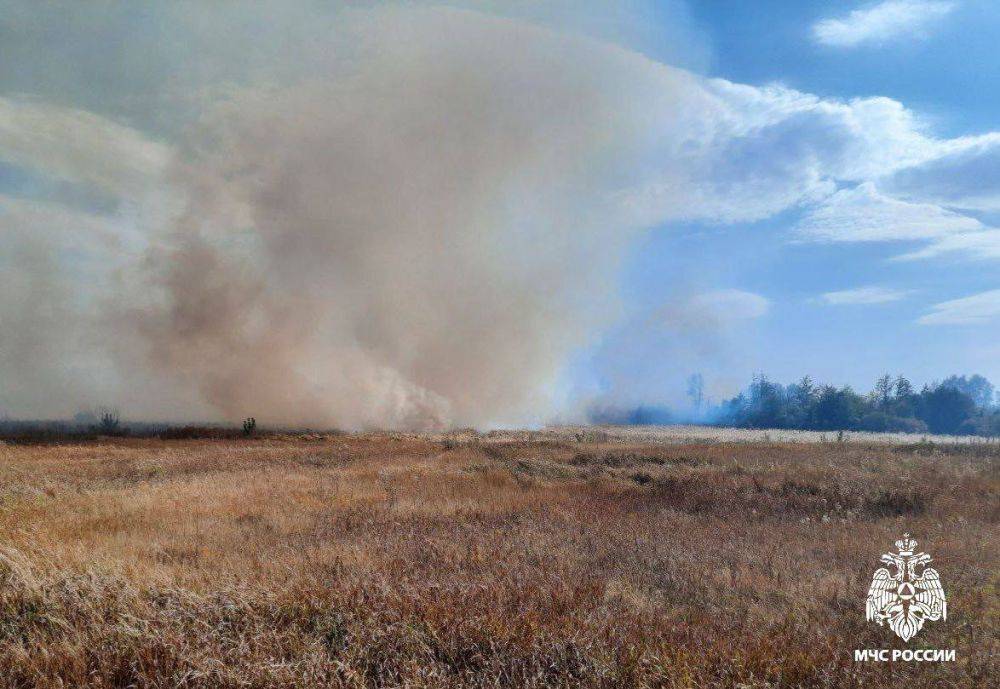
(389, 560)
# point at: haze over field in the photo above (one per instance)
(417, 215)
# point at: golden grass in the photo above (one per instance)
(389, 560)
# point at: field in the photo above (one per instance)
(573, 557)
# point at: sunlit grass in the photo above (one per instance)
(532, 560)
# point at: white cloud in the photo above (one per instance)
(862, 214)
(864, 295)
(977, 245)
(738, 153)
(882, 22)
(964, 174)
(977, 309)
(79, 146)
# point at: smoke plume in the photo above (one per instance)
(401, 214)
(414, 229)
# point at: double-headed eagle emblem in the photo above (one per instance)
(909, 596)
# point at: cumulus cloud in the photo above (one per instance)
(872, 294)
(977, 309)
(885, 21)
(744, 153)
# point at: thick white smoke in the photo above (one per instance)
(414, 231)
(415, 235)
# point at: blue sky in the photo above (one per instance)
(842, 311)
(448, 212)
(942, 68)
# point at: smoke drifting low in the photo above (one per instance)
(414, 230)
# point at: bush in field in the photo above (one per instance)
(110, 422)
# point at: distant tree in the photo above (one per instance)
(799, 400)
(837, 409)
(945, 409)
(904, 389)
(975, 386)
(110, 421)
(882, 394)
(891, 406)
(803, 392)
(734, 411)
(766, 404)
(696, 390)
(904, 400)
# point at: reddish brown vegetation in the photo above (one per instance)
(465, 561)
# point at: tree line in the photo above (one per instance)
(958, 405)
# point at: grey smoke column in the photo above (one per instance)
(412, 236)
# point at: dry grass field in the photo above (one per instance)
(500, 560)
